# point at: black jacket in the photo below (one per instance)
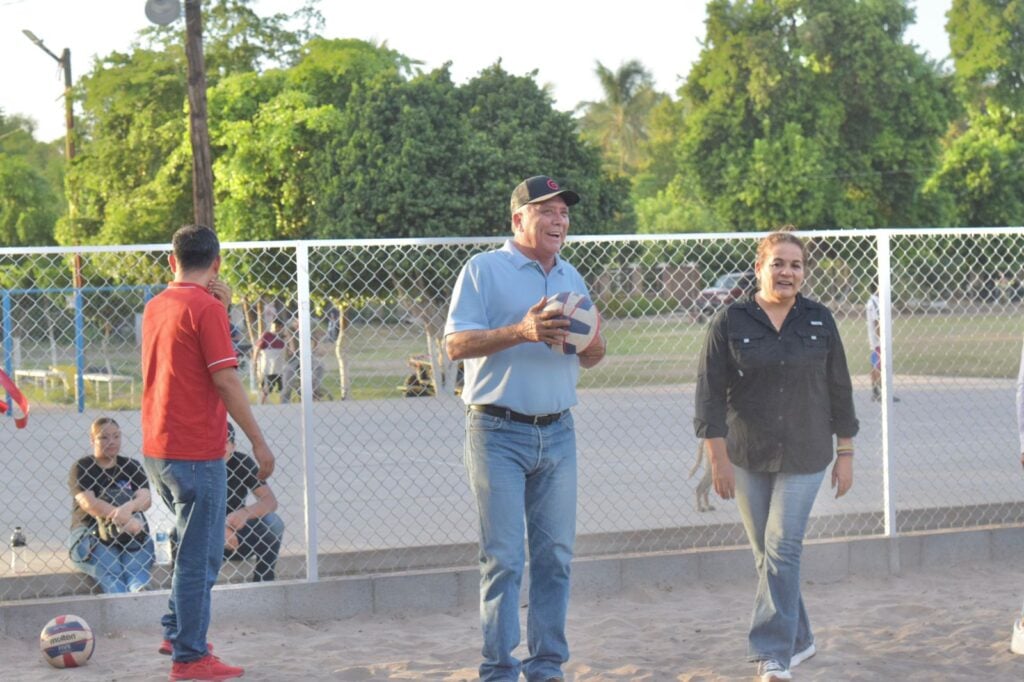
(777, 397)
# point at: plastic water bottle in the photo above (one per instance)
(18, 544)
(163, 547)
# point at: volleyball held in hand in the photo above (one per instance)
(66, 642)
(584, 321)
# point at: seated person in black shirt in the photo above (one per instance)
(109, 537)
(250, 530)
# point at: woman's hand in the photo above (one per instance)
(842, 474)
(724, 479)
(120, 516)
(722, 475)
(133, 527)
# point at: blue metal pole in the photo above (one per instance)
(80, 349)
(8, 346)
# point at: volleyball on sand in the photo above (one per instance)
(584, 321)
(66, 642)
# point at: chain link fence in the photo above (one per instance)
(367, 427)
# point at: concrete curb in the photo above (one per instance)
(456, 588)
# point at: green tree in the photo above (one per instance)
(658, 166)
(329, 69)
(132, 176)
(986, 38)
(424, 158)
(978, 181)
(618, 124)
(809, 110)
(273, 167)
(981, 176)
(236, 39)
(28, 205)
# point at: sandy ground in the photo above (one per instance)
(942, 624)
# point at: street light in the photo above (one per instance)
(69, 137)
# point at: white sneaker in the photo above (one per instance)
(801, 656)
(772, 671)
(1017, 641)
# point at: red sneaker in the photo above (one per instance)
(167, 649)
(208, 667)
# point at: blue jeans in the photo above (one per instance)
(197, 493)
(261, 539)
(524, 481)
(116, 569)
(775, 509)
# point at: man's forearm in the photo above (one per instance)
(481, 342)
(231, 391)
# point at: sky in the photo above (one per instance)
(563, 45)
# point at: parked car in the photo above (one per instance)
(726, 289)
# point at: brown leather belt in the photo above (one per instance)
(511, 415)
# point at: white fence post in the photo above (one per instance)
(885, 328)
(306, 392)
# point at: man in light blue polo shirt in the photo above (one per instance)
(520, 441)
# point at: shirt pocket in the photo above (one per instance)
(748, 349)
(814, 344)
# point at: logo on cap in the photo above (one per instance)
(552, 184)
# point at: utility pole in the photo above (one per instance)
(64, 60)
(199, 132)
(164, 13)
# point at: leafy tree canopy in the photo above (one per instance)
(982, 172)
(986, 38)
(618, 124)
(425, 158)
(28, 204)
(813, 111)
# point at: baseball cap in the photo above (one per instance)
(540, 188)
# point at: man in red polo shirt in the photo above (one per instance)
(190, 384)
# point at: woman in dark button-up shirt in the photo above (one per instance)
(773, 389)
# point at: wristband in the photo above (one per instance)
(844, 453)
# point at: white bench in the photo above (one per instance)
(110, 379)
(44, 377)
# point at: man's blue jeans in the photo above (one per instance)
(197, 493)
(524, 480)
(260, 539)
(775, 509)
(117, 570)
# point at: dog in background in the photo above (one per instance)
(704, 486)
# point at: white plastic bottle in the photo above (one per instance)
(18, 544)
(162, 540)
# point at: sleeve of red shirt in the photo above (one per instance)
(215, 338)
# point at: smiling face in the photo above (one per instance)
(780, 272)
(106, 443)
(540, 229)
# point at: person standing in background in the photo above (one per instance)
(271, 356)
